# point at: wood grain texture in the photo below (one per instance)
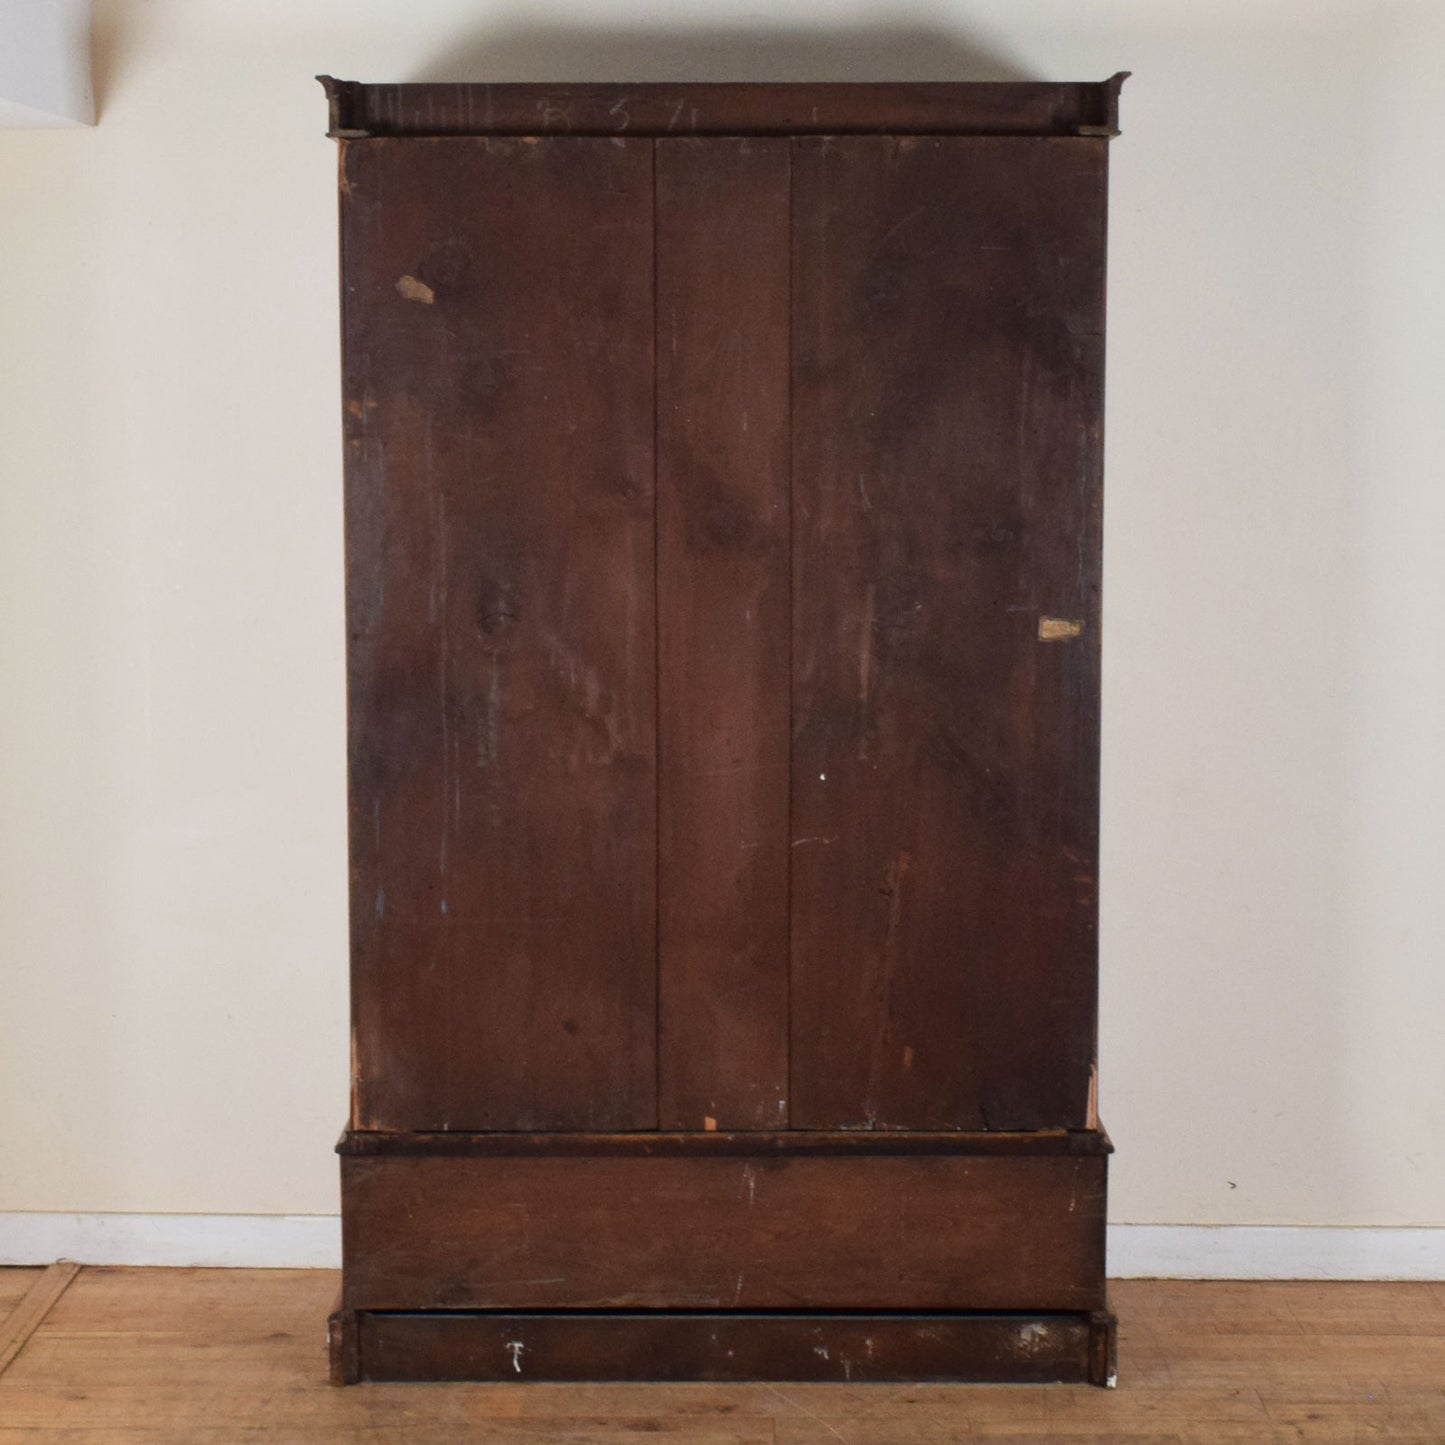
(723, 520)
(217, 1357)
(15, 1282)
(948, 307)
(728, 109)
(723, 619)
(879, 1233)
(498, 337)
(24, 1319)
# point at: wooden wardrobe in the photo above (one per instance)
(723, 488)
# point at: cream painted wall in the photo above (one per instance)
(172, 929)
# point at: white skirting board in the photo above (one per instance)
(1136, 1251)
(237, 1241)
(1272, 1251)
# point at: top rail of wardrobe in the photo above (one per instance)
(970, 108)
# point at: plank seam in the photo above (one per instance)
(31, 1312)
(657, 1047)
(792, 623)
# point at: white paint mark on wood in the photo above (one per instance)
(411, 289)
(1059, 629)
(603, 740)
(515, 1348)
(865, 647)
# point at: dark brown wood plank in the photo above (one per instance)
(967, 107)
(837, 1349)
(881, 1233)
(723, 631)
(947, 402)
(498, 341)
(855, 1143)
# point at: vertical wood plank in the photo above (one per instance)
(723, 619)
(498, 338)
(947, 414)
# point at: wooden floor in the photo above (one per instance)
(217, 1356)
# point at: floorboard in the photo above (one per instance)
(20, 1323)
(14, 1286)
(212, 1357)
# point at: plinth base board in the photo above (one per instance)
(714, 1346)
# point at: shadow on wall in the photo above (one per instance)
(529, 51)
(113, 43)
